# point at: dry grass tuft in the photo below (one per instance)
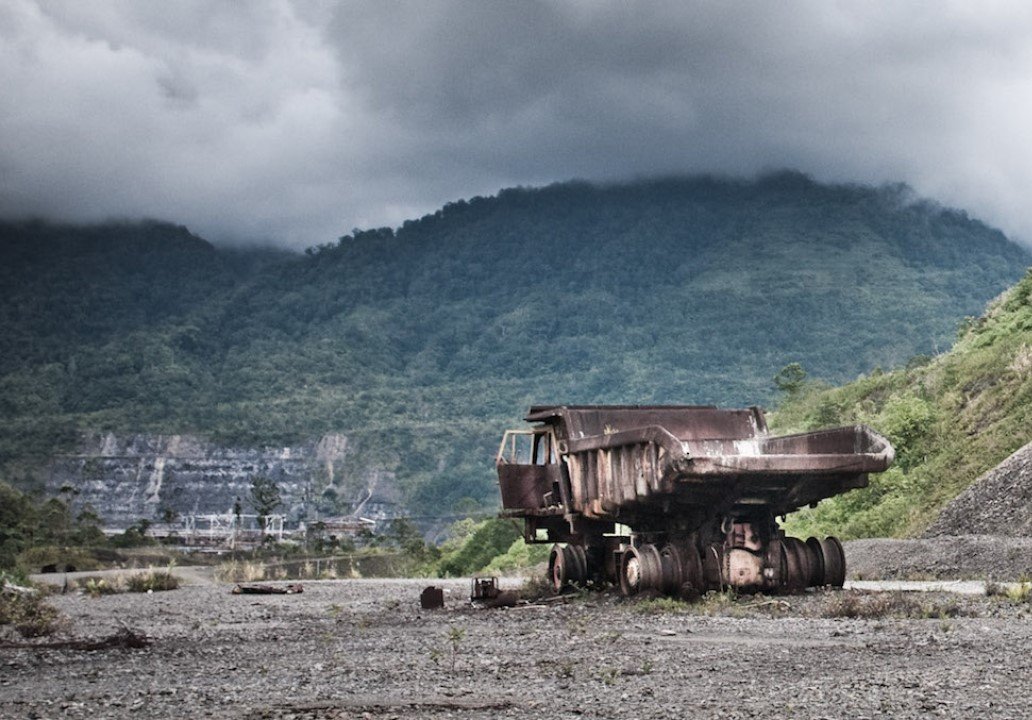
(236, 571)
(897, 604)
(29, 614)
(153, 581)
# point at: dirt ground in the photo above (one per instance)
(364, 649)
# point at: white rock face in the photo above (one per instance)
(126, 478)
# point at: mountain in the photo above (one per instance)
(420, 345)
(951, 418)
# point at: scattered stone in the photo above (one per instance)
(998, 503)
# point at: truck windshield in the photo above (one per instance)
(527, 447)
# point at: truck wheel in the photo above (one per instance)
(713, 567)
(694, 581)
(816, 553)
(578, 564)
(797, 574)
(834, 562)
(567, 565)
(640, 569)
(558, 569)
(672, 569)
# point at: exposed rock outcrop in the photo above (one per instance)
(126, 478)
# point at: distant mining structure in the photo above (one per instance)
(187, 488)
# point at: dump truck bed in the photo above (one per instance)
(643, 460)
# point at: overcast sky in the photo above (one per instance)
(296, 121)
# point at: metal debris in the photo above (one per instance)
(292, 589)
(484, 588)
(432, 598)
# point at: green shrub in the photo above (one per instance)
(97, 586)
(28, 613)
(519, 556)
(487, 540)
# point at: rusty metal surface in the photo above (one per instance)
(686, 422)
(432, 598)
(529, 486)
(484, 588)
(291, 589)
(679, 499)
(623, 456)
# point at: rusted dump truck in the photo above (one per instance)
(679, 499)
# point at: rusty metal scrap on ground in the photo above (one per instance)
(432, 598)
(292, 589)
(485, 592)
(484, 588)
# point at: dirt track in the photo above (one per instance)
(364, 649)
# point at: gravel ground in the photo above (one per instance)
(364, 649)
(997, 503)
(974, 557)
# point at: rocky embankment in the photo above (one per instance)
(960, 557)
(997, 503)
(985, 533)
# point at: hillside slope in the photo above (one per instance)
(997, 503)
(951, 418)
(422, 344)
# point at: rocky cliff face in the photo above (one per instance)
(126, 478)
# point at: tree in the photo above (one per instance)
(265, 498)
(790, 379)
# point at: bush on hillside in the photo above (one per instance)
(483, 543)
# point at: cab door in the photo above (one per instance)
(529, 472)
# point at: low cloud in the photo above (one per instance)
(294, 122)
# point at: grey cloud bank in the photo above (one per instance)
(296, 121)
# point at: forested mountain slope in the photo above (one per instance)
(951, 418)
(421, 344)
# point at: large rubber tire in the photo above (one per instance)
(713, 567)
(578, 564)
(816, 552)
(641, 569)
(837, 579)
(558, 568)
(834, 562)
(694, 583)
(672, 561)
(798, 557)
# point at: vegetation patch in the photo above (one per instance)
(950, 418)
(28, 612)
(652, 606)
(139, 582)
(1020, 592)
(897, 604)
(154, 581)
(475, 545)
(423, 342)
